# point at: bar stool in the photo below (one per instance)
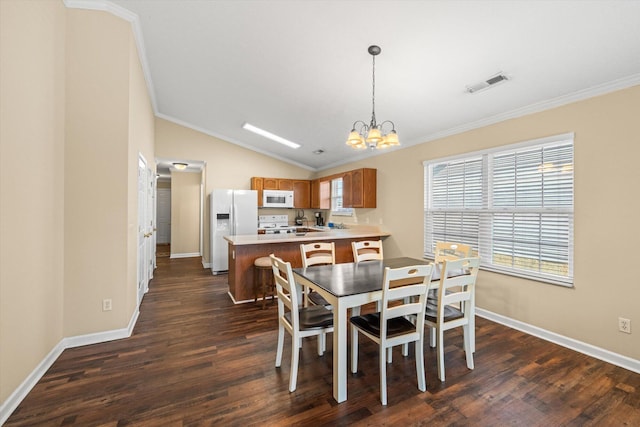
(263, 278)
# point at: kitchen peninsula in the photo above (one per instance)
(243, 250)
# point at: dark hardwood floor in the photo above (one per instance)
(196, 359)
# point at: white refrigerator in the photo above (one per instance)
(232, 212)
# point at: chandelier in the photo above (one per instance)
(372, 135)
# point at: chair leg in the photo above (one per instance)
(432, 337)
(389, 354)
(264, 291)
(355, 311)
(321, 338)
(280, 345)
(354, 350)
(422, 386)
(383, 376)
(440, 348)
(405, 349)
(472, 328)
(468, 349)
(295, 357)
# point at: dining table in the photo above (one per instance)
(350, 285)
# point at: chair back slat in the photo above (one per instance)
(367, 250)
(318, 253)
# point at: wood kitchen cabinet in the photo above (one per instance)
(359, 188)
(270, 183)
(321, 194)
(301, 194)
(285, 184)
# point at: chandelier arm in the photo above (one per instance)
(364, 126)
(393, 126)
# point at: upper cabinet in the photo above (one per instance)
(301, 194)
(359, 188)
(321, 194)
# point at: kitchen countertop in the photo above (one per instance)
(353, 232)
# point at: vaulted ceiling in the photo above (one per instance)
(300, 69)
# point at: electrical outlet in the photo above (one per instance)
(624, 325)
(106, 305)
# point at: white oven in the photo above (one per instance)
(277, 199)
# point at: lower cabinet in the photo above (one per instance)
(241, 257)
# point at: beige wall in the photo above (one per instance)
(607, 146)
(75, 115)
(96, 171)
(32, 52)
(185, 213)
(227, 165)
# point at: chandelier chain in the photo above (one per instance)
(373, 93)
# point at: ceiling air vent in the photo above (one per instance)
(490, 82)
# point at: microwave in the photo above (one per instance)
(277, 199)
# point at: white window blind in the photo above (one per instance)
(514, 206)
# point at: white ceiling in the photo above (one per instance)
(300, 69)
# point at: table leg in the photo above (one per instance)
(340, 327)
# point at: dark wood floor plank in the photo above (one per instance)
(196, 359)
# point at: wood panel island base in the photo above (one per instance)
(243, 250)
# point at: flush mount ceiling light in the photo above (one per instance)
(180, 166)
(266, 134)
(372, 135)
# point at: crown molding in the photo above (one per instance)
(134, 20)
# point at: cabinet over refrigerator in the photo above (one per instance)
(232, 213)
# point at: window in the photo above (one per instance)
(336, 199)
(513, 205)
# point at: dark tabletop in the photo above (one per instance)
(355, 278)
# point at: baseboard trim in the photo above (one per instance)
(18, 395)
(570, 343)
(186, 255)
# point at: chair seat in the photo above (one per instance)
(371, 324)
(263, 262)
(450, 313)
(317, 299)
(313, 317)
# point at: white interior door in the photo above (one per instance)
(142, 231)
(164, 216)
(150, 219)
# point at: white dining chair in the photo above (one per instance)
(457, 289)
(367, 250)
(317, 253)
(447, 251)
(298, 321)
(391, 326)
